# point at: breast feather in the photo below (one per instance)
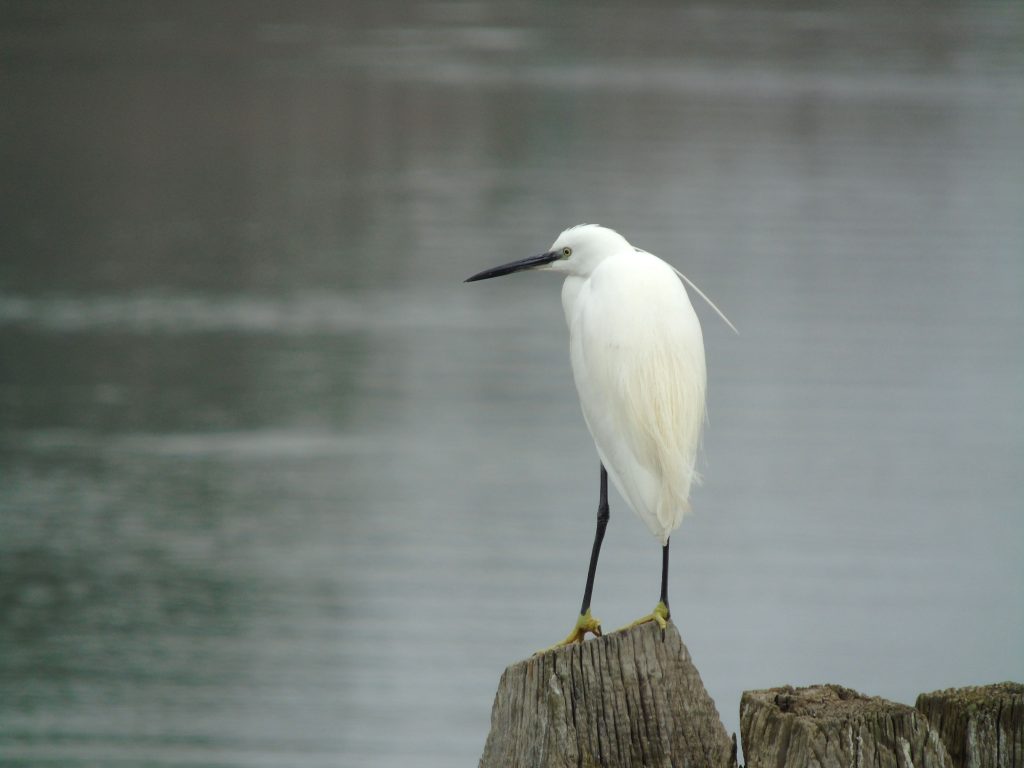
(640, 371)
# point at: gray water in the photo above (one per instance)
(277, 489)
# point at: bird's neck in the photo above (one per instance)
(570, 294)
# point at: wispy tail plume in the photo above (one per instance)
(703, 295)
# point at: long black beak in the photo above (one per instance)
(516, 266)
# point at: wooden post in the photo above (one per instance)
(981, 726)
(632, 698)
(828, 725)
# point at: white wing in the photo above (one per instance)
(638, 361)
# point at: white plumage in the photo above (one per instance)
(637, 357)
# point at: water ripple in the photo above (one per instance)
(305, 314)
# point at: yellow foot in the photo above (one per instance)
(659, 614)
(585, 623)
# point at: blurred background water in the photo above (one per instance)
(276, 488)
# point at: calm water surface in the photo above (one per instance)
(277, 489)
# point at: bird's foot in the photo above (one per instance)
(584, 624)
(660, 615)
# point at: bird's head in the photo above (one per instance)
(577, 251)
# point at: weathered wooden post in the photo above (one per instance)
(632, 698)
(981, 726)
(828, 725)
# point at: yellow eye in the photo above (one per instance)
(566, 253)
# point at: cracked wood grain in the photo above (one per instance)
(981, 726)
(632, 698)
(828, 726)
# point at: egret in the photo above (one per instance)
(637, 355)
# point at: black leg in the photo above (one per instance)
(587, 623)
(664, 575)
(602, 522)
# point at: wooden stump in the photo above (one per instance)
(632, 698)
(828, 725)
(980, 726)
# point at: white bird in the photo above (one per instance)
(637, 355)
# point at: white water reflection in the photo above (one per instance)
(294, 315)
